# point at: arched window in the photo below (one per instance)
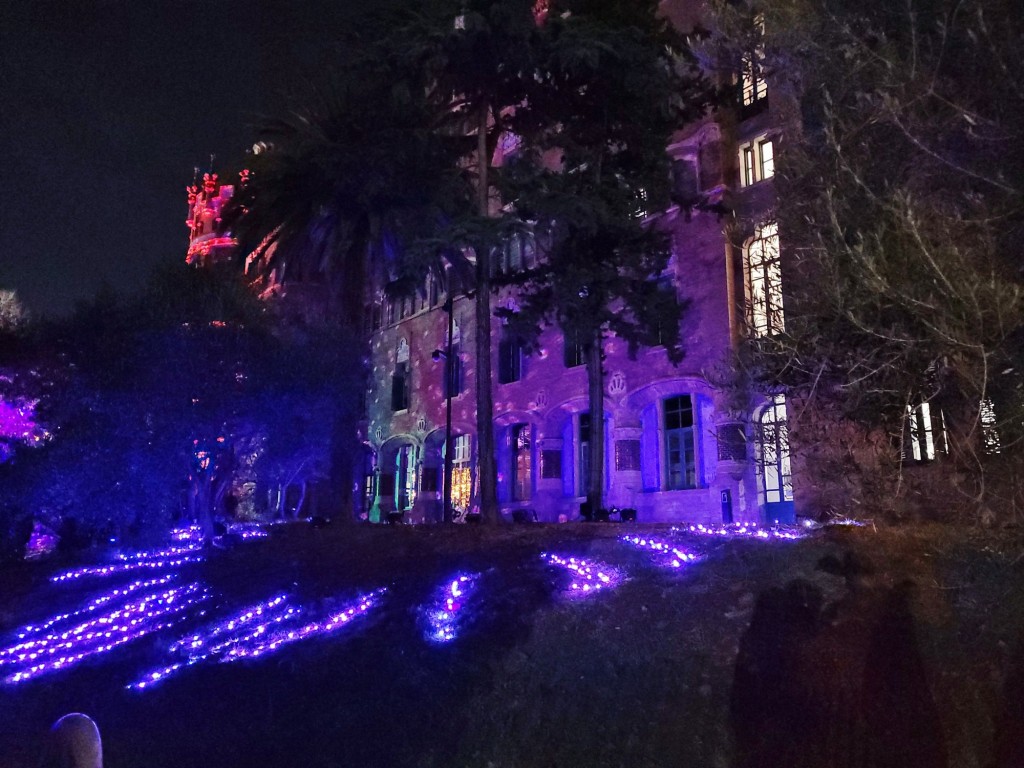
(680, 453)
(773, 464)
(522, 462)
(764, 282)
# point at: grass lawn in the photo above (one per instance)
(853, 641)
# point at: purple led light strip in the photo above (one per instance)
(126, 623)
(671, 555)
(445, 612)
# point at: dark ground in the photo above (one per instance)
(856, 647)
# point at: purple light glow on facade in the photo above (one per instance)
(667, 554)
(588, 577)
(125, 623)
(448, 610)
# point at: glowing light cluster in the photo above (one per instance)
(587, 577)
(125, 566)
(741, 530)
(126, 622)
(243, 626)
(667, 553)
(248, 531)
(42, 541)
(448, 610)
(157, 554)
(187, 533)
(135, 586)
(260, 643)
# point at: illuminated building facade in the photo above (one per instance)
(207, 243)
(680, 446)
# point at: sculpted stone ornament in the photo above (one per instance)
(617, 383)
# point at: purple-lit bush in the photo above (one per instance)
(586, 578)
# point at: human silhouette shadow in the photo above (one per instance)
(842, 685)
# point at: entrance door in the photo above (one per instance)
(774, 471)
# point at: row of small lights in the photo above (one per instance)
(126, 566)
(667, 552)
(126, 623)
(587, 577)
(250, 633)
(266, 642)
(31, 629)
(445, 613)
(740, 530)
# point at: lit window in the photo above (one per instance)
(757, 161)
(764, 282)
(924, 435)
(772, 445)
(989, 431)
(405, 478)
(522, 465)
(680, 456)
(753, 88)
(462, 474)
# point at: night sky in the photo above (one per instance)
(106, 106)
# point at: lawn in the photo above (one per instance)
(853, 642)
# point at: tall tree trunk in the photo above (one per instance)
(484, 395)
(202, 491)
(595, 398)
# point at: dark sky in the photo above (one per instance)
(105, 108)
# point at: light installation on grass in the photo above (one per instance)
(259, 644)
(158, 554)
(448, 610)
(587, 577)
(135, 586)
(243, 626)
(667, 553)
(122, 567)
(187, 533)
(741, 530)
(130, 621)
(244, 530)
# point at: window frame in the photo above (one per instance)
(681, 439)
(755, 166)
(762, 264)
